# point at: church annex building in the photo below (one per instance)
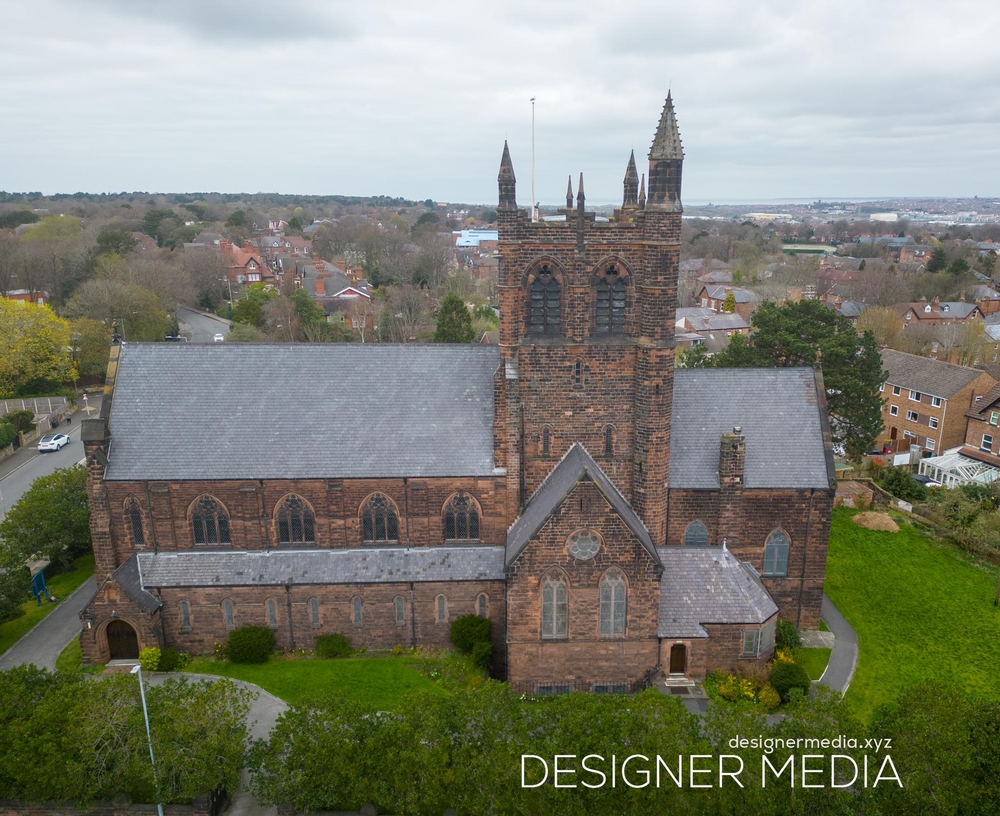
(616, 519)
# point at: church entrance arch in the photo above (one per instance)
(123, 643)
(678, 658)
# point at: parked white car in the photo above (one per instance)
(52, 442)
(219, 338)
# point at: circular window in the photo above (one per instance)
(584, 544)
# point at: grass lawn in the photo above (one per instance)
(61, 586)
(814, 661)
(372, 681)
(922, 609)
(70, 660)
(823, 627)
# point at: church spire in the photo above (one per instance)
(506, 181)
(642, 192)
(631, 197)
(667, 141)
(666, 162)
(569, 192)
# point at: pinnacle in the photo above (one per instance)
(630, 171)
(506, 166)
(569, 191)
(667, 141)
(579, 194)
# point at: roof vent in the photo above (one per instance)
(737, 429)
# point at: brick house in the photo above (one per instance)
(616, 520)
(937, 312)
(925, 400)
(714, 296)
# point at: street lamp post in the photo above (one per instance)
(226, 279)
(149, 735)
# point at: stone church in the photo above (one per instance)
(616, 519)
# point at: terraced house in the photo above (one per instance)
(614, 518)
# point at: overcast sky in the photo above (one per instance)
(775, 99)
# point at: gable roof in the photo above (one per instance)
(129, 577)
(925, 375)
(781, 416)
(719, 292)
(576, 466)
(703, 585)
(253, 411)
(356, 566)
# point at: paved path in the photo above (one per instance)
(844, 657)
(201, 326)
(42, 644)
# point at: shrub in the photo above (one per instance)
(21, 420)
(787, 636)
(250, 644)
(482, 654)
(902, 485)
(769, 697)
(398, 649)
(335, 645)
(788, 676)
(784, 656)
(149, 659)
(7, 434)
(172, 660)
(468, 630)
(727, 687)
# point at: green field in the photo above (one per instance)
(379, 683)
(814, 661)
(921, 607)
(61, 586)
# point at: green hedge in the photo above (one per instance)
(250, 644)
(335, 645)
(788, 676)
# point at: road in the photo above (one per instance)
(201, 327)
(27, 464)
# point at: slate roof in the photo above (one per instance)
(713, 321)
(359, 566)
(576, 466)
(741, 295)
(928, 376)
(985, 403)
(129, 578)
(302, 410)
(708, 585)
(779, 412)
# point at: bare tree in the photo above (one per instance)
(884, 323)
(880, 287)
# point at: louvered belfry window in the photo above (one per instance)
(610, 306)
(543, 305)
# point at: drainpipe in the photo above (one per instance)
(406, 508)
(288, 607)
(413, 619)
(152, 524)
(805, 557)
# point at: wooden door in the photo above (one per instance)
(678, 658)
(122, 641)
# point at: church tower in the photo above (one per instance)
(586, 332)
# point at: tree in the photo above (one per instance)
(938, 261)
(799, 334)
(33, 346)
(489, 216)
(91, 340)
(958, 267)
(243, 333)
(51, 520)
(454, 323)
(116, 242)
(729, 304)
(249, 312)
(884, 323)
(694, 357)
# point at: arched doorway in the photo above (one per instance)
(678, 658)
(122, 641)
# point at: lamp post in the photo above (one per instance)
(149, 736)
(226, 279)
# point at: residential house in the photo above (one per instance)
(925, 401)
(714, 296)
(938, 312)
(915, 254)
(701, 326)
(28, 296)
(245, 265)
(977, 460)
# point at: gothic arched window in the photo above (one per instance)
(314, 611)
(696, 535)
(554, 606)
(209, 522)
(543, 303)
(611, 295)
(461, 518)
(185, 609)
(400, 608)
(482, 603)
(776, 553)
(227, 614)
(296, 523)
(272, 613)
(613, 603)
(379, 520)
(134, 513)
(357, 612)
